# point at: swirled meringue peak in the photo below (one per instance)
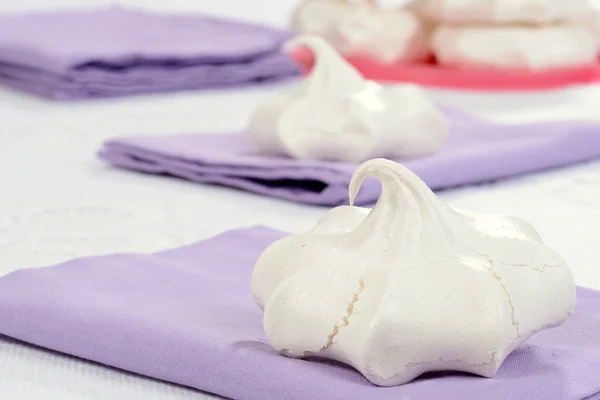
(410, 286)
(335, 114)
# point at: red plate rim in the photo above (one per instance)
(432, 75)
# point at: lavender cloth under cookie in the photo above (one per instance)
(187, 316)
(476, 152)
(116, 52)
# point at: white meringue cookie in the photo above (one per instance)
(388, 36)
(392, 4)
(410, 286)
(335, 114)
(515, 47)
(365, 28)
(504, 11)
(593, 19)
(318, 16)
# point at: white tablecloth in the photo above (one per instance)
(57, 201)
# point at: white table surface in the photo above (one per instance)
(57, 201)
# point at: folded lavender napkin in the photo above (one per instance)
(477, 151)
(187, 316)
(116, 52)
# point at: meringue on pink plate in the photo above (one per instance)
(318, 16)
(388, 36)
(515, 47)
(531, 12)
(530, 35)
(364, 28)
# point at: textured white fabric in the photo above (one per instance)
(57, 201)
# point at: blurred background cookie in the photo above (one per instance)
(383, 32)
(515, 47)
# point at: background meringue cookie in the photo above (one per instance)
(410, 286)
(385, 32)
(504, 11)
(318, 16)
(335, 114)
(517, 47)
(392, 4)
(593, 20)
(388, 36)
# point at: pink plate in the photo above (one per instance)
(431, 74)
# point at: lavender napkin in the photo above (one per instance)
(476, 152)
(187, 316)
(115, 52)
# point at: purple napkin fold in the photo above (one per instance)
(187, 316)
(477, 151)
(116, 52)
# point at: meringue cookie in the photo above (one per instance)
(515, 47)
(318, 16)
(593, 19)
(388, 36)
(410, 286)
(504, 11)
(335, 114)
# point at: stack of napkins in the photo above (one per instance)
(118, 52)
(187, 316)
(476, 152)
